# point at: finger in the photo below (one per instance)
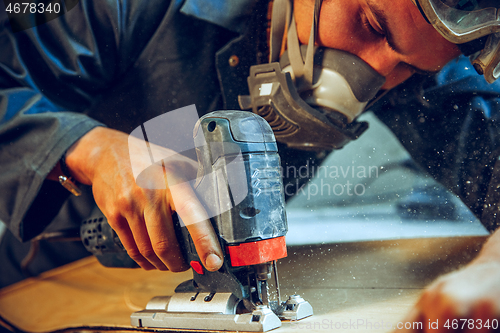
(207, 244)
(163, 239)
(196, 219)
(122, 229)
(143, 241)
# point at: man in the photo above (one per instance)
(123, 66)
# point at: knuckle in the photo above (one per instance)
(135, 254)
(116, 221)
(186, 206)
(147, 252)
(124, 200)
(202, 240)
(163, 248)
(153, 196)
(170, 255)
(114, 217)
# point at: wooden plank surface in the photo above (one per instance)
(365, 286)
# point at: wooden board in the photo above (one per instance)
(365, 286)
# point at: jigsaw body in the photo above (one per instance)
(239, 183)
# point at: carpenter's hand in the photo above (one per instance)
(142, 217)
(467, 300)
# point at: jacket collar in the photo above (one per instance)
(230, 14)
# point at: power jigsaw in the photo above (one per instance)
(239, 183)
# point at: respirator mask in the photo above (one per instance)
(474, 25)
(312, 96)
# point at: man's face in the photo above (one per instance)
(390, 35)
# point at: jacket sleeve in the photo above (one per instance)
(449, 123)
(50, 78)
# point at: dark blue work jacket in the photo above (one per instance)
(121, 63)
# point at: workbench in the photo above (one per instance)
(353, 287)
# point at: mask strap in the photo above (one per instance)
(309, 63)
(294, 50)
(303, 69)
(282, 10)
